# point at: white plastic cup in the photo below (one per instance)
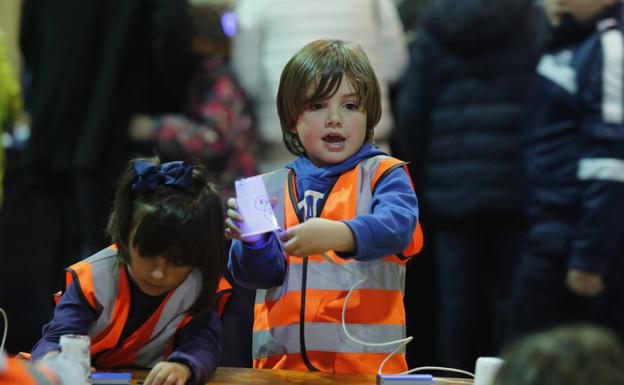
(76, 350)
(486, 369)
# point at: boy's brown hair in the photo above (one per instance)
(314, 73)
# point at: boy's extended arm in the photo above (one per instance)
(71, 316)
(197, 346)
(388, 229)
(257, 265)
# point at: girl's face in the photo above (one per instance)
(333, 129)
(155, 275)
(581, 10)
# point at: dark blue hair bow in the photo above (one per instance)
(147, 175)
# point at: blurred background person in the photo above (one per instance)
(10, 103)
(565, 355)
(92, 66)
(572, 269)
(458, 123)
(271, 31)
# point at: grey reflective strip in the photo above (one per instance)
(601, 169)
(274, 182)
(328, 276)
(325, 337)
(366, 170)
(613, 77)
(104, 266)
(559, 71)
(180, 302)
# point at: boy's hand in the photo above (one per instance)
(316, 236)
(168, 373)
(584, 283)
(232, 231)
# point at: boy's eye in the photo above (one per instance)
(315, 106)
(352, 106)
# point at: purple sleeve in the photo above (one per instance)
(197, 345)
(72, 315)
(261, 265)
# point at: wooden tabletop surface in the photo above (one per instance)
(247, 376)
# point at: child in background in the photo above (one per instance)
(567, 355)
(146, 301)
(347, 206)
(572, 268)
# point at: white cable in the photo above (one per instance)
(400, 343)
(6, 328)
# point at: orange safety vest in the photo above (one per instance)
(105, 286)
(298, 325)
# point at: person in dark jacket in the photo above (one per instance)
(459, 116)
(572, 268)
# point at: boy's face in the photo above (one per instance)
(333, 129)
(155, 275)
(581, 10)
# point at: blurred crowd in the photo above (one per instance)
(510, 113)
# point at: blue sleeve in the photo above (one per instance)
(388, 229)
(601, 162)
(197, 345)
(260, 265)
(72, 315)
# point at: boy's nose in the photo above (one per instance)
(333, 120)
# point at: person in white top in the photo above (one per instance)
(271, 31)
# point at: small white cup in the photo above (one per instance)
(486, 369)
(76, 349)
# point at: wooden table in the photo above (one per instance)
(247, 376)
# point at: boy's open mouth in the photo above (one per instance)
(333, 139)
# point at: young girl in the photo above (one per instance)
(146, 300)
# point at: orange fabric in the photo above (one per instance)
(225, 288)
(330, 362)
(326, 306)
(17, 373)
(86, 281)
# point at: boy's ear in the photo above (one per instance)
(293, 130)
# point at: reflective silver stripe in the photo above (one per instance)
(325, 337)
(558, 71)
(105, 275)
(328, 276)
(180, 302)
(613, 77)
(601, 169)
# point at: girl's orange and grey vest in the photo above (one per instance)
(110, 292)
(298, 325)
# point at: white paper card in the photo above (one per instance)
(254, 205)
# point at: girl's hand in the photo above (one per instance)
(168, 373)
(316, 236)
(584, 283)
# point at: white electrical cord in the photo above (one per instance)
(6, 328)
(400, 343)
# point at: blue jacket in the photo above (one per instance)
(395, 208)
(574, 136)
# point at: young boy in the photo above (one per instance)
(347, 211)
(572, 268)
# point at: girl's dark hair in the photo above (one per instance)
(184, 225)
(319, 67)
